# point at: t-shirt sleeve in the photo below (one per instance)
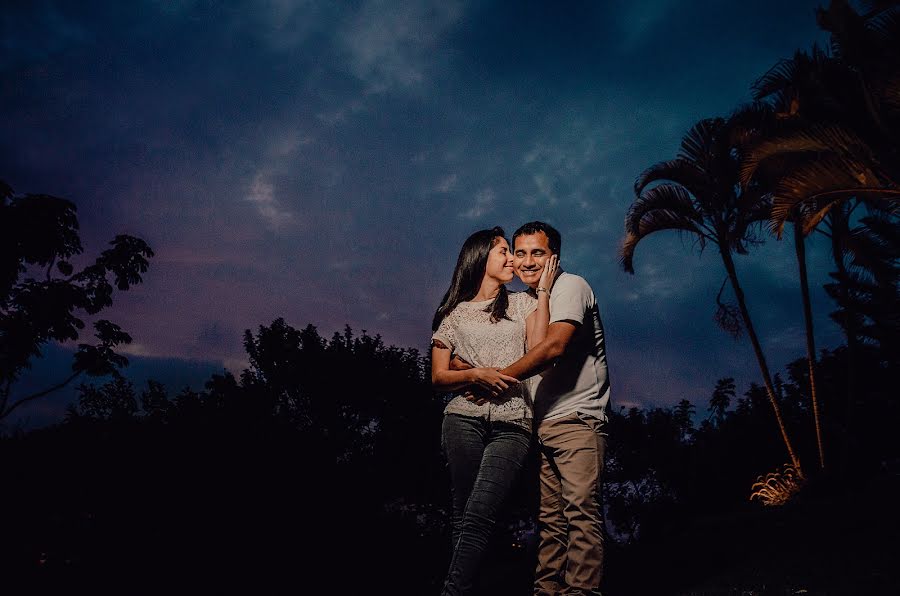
(445, 334)
(571, 299)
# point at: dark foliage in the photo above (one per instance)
(320, 469)
(42, 296)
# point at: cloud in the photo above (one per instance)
(262, 196)
(446, 184)
(484, 203)
(340, 114)
(389, 44)
(137, 349)
(285, 25)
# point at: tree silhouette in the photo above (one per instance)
(684, 413)
(867, 294)
(834, 135)
(701, 195)
(112, 401)
(755, 124)
(41, 294)
(721, 399)
(840, 113)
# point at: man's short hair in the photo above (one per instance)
(533, 227)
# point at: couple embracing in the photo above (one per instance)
(523, 362)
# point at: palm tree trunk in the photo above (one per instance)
(799, 243)
(763, 367)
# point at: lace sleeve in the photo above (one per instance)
(523, 304)
(529, 304)
(445, 334)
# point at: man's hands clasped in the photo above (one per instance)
(491, 381)
(486, 382)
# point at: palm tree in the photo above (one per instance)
(866, 290)
(721, 399)
(873, 250)
(754, 124)
(841, 114)
(699, 194)
(832, 138)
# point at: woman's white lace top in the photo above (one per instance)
(470, 334)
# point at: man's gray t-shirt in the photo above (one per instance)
(578, 381)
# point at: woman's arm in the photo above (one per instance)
(445, 379)
(537, 322)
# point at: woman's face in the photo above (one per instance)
(500, 263)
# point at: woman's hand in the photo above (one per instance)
(492, 380)
(548, 275)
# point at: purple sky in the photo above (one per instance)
(323, 162)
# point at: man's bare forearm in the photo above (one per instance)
(559, 334)
(535, 360)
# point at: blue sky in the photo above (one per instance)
(323, 162)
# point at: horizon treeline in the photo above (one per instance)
(326, 450)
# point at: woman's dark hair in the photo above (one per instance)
(467, 276)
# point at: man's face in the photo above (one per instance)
(530, 256)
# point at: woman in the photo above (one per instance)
(485, 445)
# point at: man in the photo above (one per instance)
(571, 397)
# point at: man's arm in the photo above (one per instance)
(559, 334)
(458, 363)
(443, 378)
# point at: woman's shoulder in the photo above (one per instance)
(524, 297)
(462, 312)
(522, 302)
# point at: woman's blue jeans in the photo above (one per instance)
(484, 459)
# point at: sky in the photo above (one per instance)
(324, 161)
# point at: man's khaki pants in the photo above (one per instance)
(570, 555)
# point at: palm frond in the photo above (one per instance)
(821, 138)
(889, 93)
(696, 146)
(676, 170)
(885, 228)
(823, 173)
(876, 12)
(823, 202)
(777, 78)
(875, 247)
(886, 207)
(788, 72)
(847, 28)
(655, 221)
(665, 197)
(754, 210)
(885, 23)
(871, 8)
(750, 122)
